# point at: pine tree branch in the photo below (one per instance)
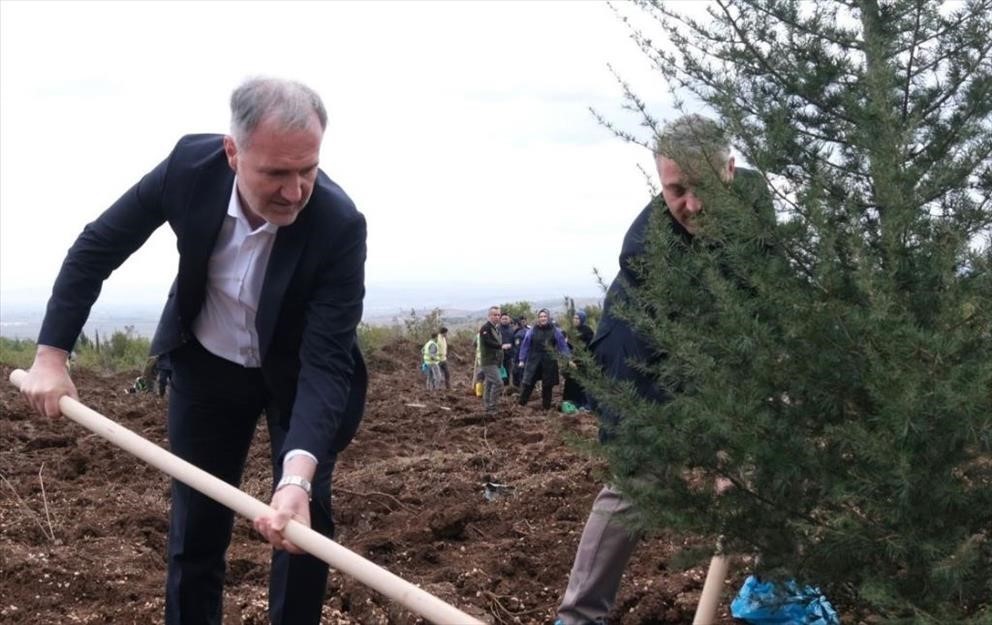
(847, 44)
(618, 132)
(909, 64)
(663, 62)
(826, 110)
(954, 90)
(952, 134)
(937, 59)
(939, 187)
(950, 27)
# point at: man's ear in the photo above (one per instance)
(231, 150)
(729, 171)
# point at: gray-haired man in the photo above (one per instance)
(491, 350)
(684, 147)
(262, 317)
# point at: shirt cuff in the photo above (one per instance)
(292, 453)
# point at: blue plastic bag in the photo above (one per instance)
(424, 367)
(767, 603)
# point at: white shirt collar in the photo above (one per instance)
(234, 209)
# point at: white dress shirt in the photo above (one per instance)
(226, 323)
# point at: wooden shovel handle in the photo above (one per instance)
(710, 597)
(318, 545)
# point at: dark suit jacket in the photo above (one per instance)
(311, 300)
(617, 345)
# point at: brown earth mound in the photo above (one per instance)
(83, 524)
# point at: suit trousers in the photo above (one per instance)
(493, 388)
(604, 550)
(444, 372)
(214, 406)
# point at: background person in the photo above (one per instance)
(518, 339)
(442, 345)
(430, 363)
(538, 358)
(572, 390)
(506, 330)
(491, 348)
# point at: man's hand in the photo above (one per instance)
(506, 346)
(289, 502)
(47, 381)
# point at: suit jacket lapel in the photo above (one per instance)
(286, 251)
(207, 206)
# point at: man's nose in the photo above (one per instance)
(292, 191)
(692, 202)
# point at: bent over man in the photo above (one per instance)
(261, 317)
(606, 543)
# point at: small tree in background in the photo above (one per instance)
(124, 351)
(593, 313)
(835, 366)
(519, 308)
(421, 328)
(565, 319)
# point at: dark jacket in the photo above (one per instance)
(616, 345)
(542, 342)
(506, 333)
(539, 352)
(311, 300)
(490, 345)
(585, 334)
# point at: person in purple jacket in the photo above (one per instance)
(539, 360)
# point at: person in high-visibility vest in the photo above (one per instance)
(431, 361)
(442, 353)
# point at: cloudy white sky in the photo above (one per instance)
(461, 130)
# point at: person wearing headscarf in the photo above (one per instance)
(573, 391)
(538, 357)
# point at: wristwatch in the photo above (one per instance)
(296, 480)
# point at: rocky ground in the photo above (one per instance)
(83, 524)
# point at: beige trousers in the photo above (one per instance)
(604, 550)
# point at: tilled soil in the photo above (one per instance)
(83, 524)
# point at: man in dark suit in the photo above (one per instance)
(684, 146)
(262, 317)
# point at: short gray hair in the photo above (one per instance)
(292, 102)
(692, 137)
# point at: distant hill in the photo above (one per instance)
(466, 317)
(24, 320)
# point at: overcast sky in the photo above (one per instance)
(461, 130)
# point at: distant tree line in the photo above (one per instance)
(124, 350)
